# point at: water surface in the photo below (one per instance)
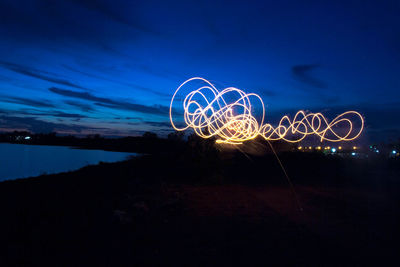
(21, 161)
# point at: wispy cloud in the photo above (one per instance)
(102, 77)
(47, 113)
(27, 102)
(303, 74)
(84, 107)
(161, 124)
(42, 75)
(79, 95)
(157, 110)
(158, 124)
(110, 103)
(58, 114)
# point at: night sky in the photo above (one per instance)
(111, 67)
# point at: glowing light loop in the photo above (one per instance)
(209, 113)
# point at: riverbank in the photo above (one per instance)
(183, 209)
(20, 160)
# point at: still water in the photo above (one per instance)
(20, 161)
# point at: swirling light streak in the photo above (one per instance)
(233, 122)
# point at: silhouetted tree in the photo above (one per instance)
(176, 136)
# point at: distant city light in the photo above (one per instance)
(318, 147)
(353, 153)
(27, 137)
(299, 147)
(354, 147)
(333, 150)
(377, 151)
(340, 148)
(394, 152)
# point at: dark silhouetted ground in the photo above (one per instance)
(202, 208)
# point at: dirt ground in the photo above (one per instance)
(151, 212)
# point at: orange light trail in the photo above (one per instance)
(208, 113)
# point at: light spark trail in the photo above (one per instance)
(209, 113)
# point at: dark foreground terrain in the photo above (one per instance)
(204, 209)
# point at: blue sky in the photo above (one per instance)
(111, 67)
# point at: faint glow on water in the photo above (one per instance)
(21, 161)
